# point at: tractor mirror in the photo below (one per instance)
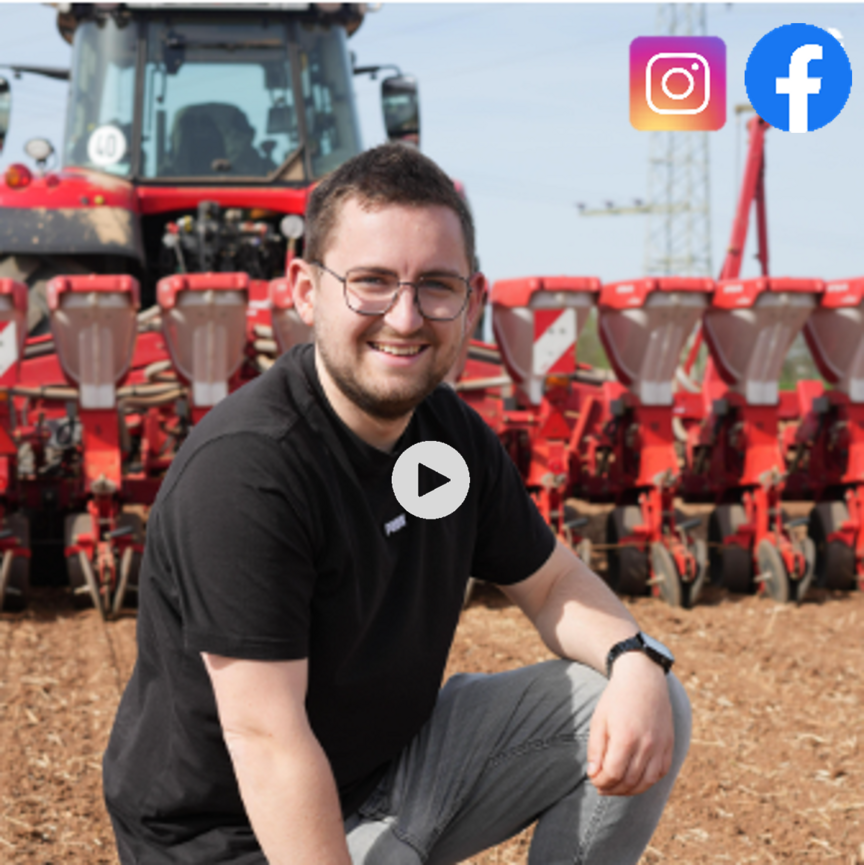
(5, 109)
(401, 104)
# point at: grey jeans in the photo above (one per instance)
(500, 752)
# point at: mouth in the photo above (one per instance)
(398, 350)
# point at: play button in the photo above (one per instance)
(430, 480)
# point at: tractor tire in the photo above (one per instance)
(835, 561)
(76, 524)
(627, 571)
(666, 574)
(773, 574)
(36, 272)
(19, 576)
(731, 566)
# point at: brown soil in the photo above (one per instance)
(775, 772)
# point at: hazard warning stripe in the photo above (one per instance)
(554, 341)
(8, 351)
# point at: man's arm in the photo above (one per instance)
(285, 779)
(579, 617)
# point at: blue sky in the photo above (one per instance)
(527, 104)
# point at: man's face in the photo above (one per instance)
(386, 365)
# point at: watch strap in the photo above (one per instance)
(637, 643)
(631, 644)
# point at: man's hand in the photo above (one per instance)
(632, 732)
(579, 617)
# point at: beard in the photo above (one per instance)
(386, 403)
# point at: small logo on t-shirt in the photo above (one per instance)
(394, 525)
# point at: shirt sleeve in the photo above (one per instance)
(513, 540)
(240, 550)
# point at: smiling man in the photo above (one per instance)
(294, 622)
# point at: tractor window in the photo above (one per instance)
(331, 121)
(101, 104)
(218, 100)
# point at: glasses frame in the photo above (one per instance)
(395, 299)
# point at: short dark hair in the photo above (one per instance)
(389, 174)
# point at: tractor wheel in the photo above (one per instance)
(690, 592)
(18, 587)
(772, 572)
(36, 272)
(666, 574)
(627, 566)
(130, 564)
(82, 592)
(731, 565)
(835, 561)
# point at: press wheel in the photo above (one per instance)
(627, 566)
(731, 565)
(772, 572)
(18, 583)
(666, 574)
(835, 561)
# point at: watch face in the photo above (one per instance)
(657, 647)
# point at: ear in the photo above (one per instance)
(479, 291)
(302, 289)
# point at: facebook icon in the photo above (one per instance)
(798, 77)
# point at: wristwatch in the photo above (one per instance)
(654, 649)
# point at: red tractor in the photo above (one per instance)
(193, 136)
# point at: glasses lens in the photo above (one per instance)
(442, 297)
(370, 291)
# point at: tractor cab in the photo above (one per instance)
(167, 95)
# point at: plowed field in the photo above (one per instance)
(775, 772)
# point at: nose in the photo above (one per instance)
(404, 316)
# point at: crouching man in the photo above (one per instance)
(295, 620)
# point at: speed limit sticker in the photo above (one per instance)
(107, 146)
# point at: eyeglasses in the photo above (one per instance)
(369, 291)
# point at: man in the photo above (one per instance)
(294, 622)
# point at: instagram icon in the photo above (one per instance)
(677, 83)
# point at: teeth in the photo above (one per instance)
(400, 351)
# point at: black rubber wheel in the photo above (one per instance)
(772, 572)
(731, 566)
(19, 575)
(627, 566)
(835, 561)
(666, 574)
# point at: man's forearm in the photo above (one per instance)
(290, 796)
(576, 613)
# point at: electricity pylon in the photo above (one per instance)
(678, 232)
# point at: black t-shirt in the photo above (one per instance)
(276, 536)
